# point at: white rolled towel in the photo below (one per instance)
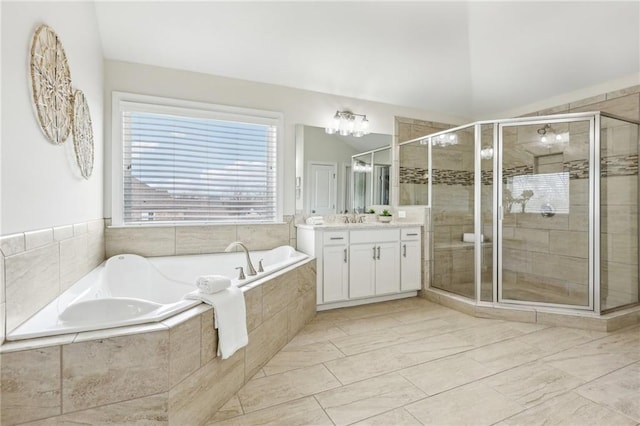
(210, 284)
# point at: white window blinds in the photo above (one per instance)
(193, 168)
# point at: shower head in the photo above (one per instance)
(543, 130)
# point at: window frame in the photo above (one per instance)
(156, 104)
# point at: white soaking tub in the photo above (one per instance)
(128, 289)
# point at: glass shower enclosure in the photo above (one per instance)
(535, 211)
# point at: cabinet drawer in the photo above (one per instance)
(335, 237)
(408, 234)
(374, 235)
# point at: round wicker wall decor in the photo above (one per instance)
(82, 134)
(51, 84)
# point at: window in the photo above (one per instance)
(185, 162)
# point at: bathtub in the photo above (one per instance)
(128, 289)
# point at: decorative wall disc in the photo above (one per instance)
(82, 134)
(51, 84)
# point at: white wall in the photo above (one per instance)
(298, 106)
(40, 186)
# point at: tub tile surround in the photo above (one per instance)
(523, 374)
(37, 266)
(152, 374)
(180, 240)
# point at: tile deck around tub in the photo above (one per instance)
(412, 362)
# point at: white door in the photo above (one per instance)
(387, 268)
(410, 278)
(362, 270)
(336, 273)
(322, 188)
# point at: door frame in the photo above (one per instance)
(593, 224)
(308, 189)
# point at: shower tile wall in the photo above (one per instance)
(452, 215)
(410, 183)
(411, 177)
(545, 258)
(619, 203)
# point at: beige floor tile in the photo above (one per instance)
(290, 358)
(486, 334)
(447, 373)
(527, 327)
(620, 391)
(305, 411)
(473, 404)
(352, 345)
(504, 355)
(381, 361)
(367, 398)
(272, 390)
(231, 409)
(423, 313)
(594, 359)
(532, 383)
(397, 417)
(556, 339)
(366, 325)
(568, 409)
(316, 331)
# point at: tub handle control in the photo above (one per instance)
(241, 276)
(260, 267)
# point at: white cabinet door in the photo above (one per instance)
(335, 269)
(387, 268)
(362, 270)
(410, 271)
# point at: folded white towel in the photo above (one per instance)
(469, 237)
(212, 283)
(315, 220)
(230, 318)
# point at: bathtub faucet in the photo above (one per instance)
(250, 269)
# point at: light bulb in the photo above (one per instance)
(558, 138)
(543, 139)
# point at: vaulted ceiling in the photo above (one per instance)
(468, 59)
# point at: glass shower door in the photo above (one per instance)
(544, 199)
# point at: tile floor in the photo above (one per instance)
(412, 362)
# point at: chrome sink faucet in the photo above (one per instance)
(250, 269)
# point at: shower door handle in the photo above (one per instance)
(500, 213)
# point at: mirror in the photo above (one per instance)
(371, 180)
(325, 182)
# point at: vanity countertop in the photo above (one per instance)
(365, 225)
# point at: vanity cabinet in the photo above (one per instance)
(335, 264)
(410, 258)
(364, 265)
(375, 263)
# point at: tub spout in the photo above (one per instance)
(250, 269)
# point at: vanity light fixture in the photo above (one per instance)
(347, 123)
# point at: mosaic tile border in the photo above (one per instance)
(615, 165)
